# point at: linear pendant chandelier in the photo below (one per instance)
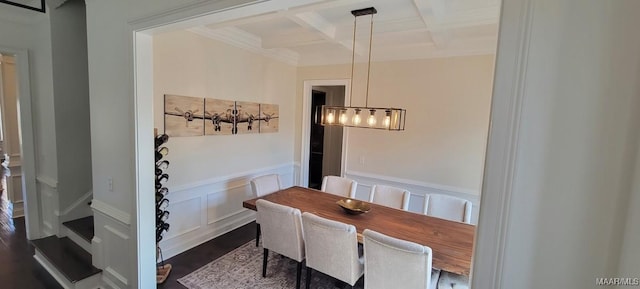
(386, 118)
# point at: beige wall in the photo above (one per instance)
(447, 102)
(192, 65)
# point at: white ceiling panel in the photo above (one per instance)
(322, 33)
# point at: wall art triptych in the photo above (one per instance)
(195, 116)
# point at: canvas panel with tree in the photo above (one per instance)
(219, 116)
(183, 115)
(269, 118)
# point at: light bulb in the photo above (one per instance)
(356, 118)
(331, 117)
(387, 118)
(371, 120)
(343, 117)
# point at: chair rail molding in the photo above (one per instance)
(110, 211)
(508, 95)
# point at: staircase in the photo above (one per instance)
(68, 259)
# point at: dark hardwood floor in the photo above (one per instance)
(199, 256)
(18, 269)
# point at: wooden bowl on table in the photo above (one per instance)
(354, 207)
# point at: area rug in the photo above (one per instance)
(242, 268)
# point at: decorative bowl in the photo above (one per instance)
(354, 207)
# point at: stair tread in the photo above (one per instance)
(83, 227)
(69, 258)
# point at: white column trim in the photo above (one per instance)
(508, 94)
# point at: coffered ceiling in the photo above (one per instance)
(322, 32)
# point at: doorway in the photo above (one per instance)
(322, 148)
(325, 142)
(17, 138)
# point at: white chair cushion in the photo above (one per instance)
(390, 196)
(395, 263)
(281, 228)
(448, 207)
(264, 185)
(332, 248)
(339, 186)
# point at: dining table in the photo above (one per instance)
(451, 242)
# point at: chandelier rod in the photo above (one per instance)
(353, 57)
(366, 104)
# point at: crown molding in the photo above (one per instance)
(241, 39)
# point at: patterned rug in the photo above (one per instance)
(242, 268)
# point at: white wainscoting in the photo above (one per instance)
(14, 187)
(206, 209)
(48, 189)
(111, 244)
(418, 190)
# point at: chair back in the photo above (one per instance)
(339, 186)
(390, 196)
(396, 263)
(281, 228)
(448, 207)
(264, 185)
(332, 248)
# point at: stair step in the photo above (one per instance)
(83, 227)
(69, 258)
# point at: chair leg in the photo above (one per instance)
(299, 272)
(308, 281)
(257, 234)
(264, 262)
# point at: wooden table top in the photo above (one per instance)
(451, 242)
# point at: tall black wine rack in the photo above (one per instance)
(162, 203)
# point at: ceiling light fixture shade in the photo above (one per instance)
(387, 118)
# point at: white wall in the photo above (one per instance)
(71, 103)
(576, 145)
(447, 102)
(25, 29)
(192, 65)
(209, 175)
(30, 30)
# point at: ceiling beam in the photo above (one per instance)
(285, 12)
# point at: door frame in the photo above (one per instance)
(303, 178)
(27, 146)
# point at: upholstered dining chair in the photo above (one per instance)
(281, 233)
(389, 196)
(339, 186)
(264, 185)
(447, 207)
(394, 263)
(331, 248)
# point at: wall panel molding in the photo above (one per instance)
(417, 189)
(219, 209)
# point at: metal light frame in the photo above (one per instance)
(385, 118)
